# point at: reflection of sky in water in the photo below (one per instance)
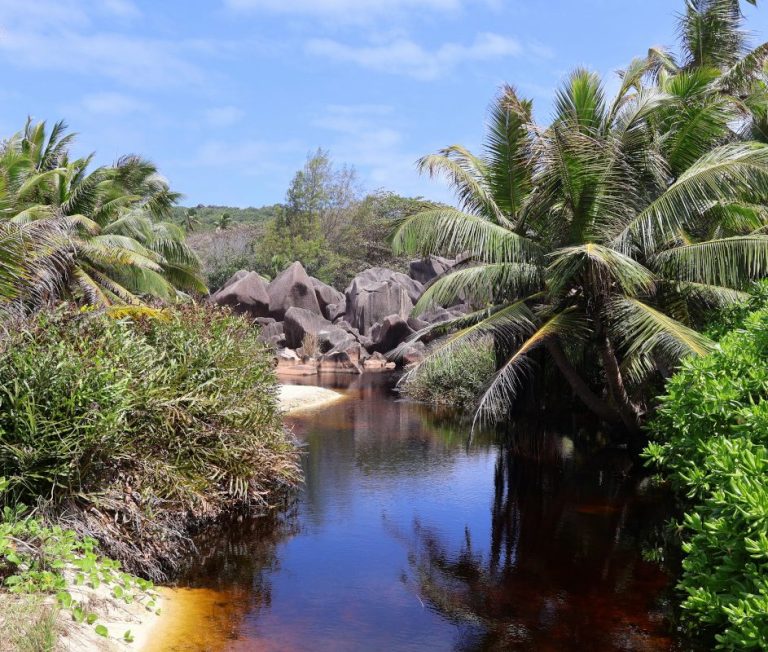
(396, 548)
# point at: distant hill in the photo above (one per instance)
(205, 218)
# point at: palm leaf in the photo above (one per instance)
(448, 231)
(502, 389)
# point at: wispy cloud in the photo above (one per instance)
(404, 56)
(348, 11)
(251, 157)
(223, 116)
(61, 36)
(121, 8)
(113, 104)
(368, 137)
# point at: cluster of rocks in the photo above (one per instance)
(314, 327)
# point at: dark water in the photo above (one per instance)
(405, 538)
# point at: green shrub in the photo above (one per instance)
(711, 440)
(136, 427)
(454, 381)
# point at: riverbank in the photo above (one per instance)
(298, 398)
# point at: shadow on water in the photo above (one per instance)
(405, 538)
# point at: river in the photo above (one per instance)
(406, 537)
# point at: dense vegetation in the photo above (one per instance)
(711, 441)
(136, 425)
(606, 237)
(327, 223)
(92, 235)
(454, 382)
(199, 218)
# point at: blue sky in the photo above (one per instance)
(229, 96)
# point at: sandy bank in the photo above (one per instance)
(139, 618)
(295, 398)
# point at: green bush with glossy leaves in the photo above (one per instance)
(710, 438)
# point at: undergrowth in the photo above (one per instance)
(454, 381)
(710, 439)
(38, 560)
(134, 429)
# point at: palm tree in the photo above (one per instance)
(190, 220)
(604, 236)
(224, 222)
(107, 221)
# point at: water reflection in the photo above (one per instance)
(405, 538)
(562, 569)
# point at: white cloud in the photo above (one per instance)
(61, 36)
(113, 104)
(252, 157)
(347, 11)
(121, 8)
(223, 116)
(365, 136)
(134, 61)
(404, 56)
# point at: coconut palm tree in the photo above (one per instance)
(604, 236)
(224, 222)
(107, 221)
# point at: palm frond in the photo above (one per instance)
(725, 174)
(645, 331)
(448, 232)
(728, 262)
(481, 285)
(502, 389)
(598, 266)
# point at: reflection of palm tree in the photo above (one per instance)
(562, 567)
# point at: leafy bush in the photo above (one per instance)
(36, 559)
(454, 381)
(136, 427)
(711, 439)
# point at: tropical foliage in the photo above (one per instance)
(710, 438)
(327, 223)
(133, 424)
(97, 235)
(608, 234)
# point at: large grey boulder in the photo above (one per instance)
(292, 288)
(234, 278)
(326, 296)
(333, 337)
(377, 293)
(300, 321)
(270, 330)
(428, 268)
(247, 295)
(335, 311)
(390, 333)
(413, 353)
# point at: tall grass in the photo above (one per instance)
(455, 381)
(137, 427)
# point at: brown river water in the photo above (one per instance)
(406, 537)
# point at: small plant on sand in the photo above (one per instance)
(37, 559)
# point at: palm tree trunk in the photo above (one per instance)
(630, 415)
(579, 386)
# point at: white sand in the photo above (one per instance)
(294, 398)
(117, 616)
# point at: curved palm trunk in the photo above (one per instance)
(580, 387)
(630, 415)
